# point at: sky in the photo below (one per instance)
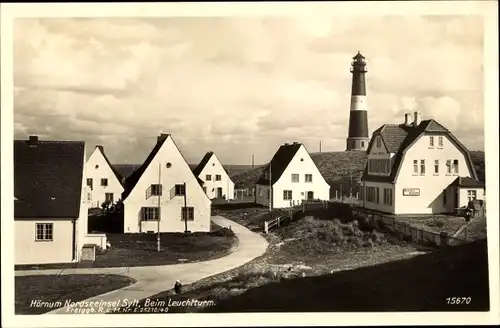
(240, 86)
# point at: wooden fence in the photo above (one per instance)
(405, 230)
(289, 212)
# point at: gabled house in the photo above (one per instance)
(291, 178)
(164, 192)
(216, 180)
(418, 167)
(50, 212)
(103, 181)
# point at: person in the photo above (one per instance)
(108, 244)
(178, 287)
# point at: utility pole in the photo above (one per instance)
(253, 161)
(160, 190)
(270, 189)
(320, 146)
(185, 211)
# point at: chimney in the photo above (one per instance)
(408, 119)
(162, 137)
(286, 144)
(295, 143)
(417, 118)
(101, 148)
(33, 141)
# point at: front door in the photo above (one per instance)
(457, 198)
(219, 192)
(310, 195)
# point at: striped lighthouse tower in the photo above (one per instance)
(358, 138)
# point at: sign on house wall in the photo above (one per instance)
(411, 192)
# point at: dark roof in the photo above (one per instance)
(204, 161)
(132, 180)
(467, 182)
(48, 178)
(116, 173)
(279, 163)
(399, 137)
(197, 170)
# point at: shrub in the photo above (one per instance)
(223, 232)
(438, 222)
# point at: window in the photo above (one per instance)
(436, 167)
(179, 190)
(415, 166)
(379, 142)
(187, 213)
(97, 166)
(387, 196)
(371, 194)
(422, 167)
(444, 198)
(309, 178)
(295, 177)
(104, 182)
(455, 166)
(440, 142)
(362, 144)
(156, 190)
(471, 195)
(89, 182)
(150, 213)
(89, 196)
(208, 177)
(44, 231)
(218, 177)
(448, 167)
(431, 141)
(109, 197)
(287, 195)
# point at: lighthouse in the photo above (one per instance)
(358, 138)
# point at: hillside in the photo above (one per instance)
(337, 168)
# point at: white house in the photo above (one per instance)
(50, 210)
(418, 167)
(103, 181)
(216, 180)
(164, 192)
(290, 178)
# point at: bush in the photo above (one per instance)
(223, 232)
(438, 222)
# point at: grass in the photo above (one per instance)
(337, 168)
(303, 247)
(476, 230)
(422, 283)
(449, 224)
(62, 288)
(131, 250)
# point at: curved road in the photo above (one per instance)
(151, 280)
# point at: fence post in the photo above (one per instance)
(465, 234)
(394, 223)
(278, 221)
(266, 224)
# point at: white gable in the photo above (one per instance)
(378, 147)
(169, 167)
(97, 169)
(216, 180)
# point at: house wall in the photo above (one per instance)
(29, 251)
(178, 173)
(464, 198)
(432, 186)
(261, 196)
(213, 168)
(380, 205)
(301, 164)
(98, 192)
(82, 221)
